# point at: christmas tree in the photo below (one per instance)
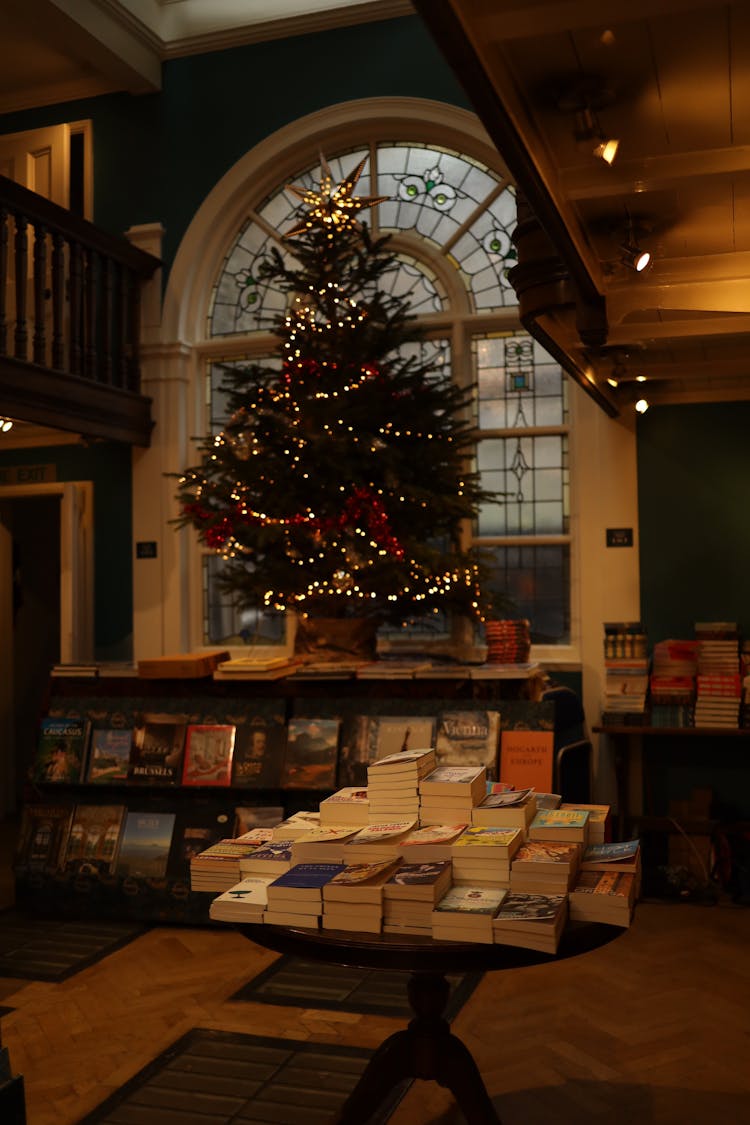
(340, 486)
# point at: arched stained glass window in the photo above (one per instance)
(451, 219)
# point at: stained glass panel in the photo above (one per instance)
(532, 475)
(537, 579)
(518, 383)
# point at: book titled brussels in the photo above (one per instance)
(43, 837)
(145, 844)
(109, 756)
(61, 750)
(158, 746)
(208, 754)
(311, 754)
(259, 745)
(94, 839)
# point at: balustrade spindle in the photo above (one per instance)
(58, 298)
(20, 335)
(75, 281)
(3, 280)
(40, 270)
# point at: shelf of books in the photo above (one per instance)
(132, 777)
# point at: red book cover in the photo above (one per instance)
(208, 754)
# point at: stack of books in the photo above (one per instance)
(353, 899)
(319, 845)
(393, 784)
(245, 902)
(718, 699)
(377, 841)
(349, 805)
(218, 868)
(544, 868)
(483, 855)
(718, 647)
(466, 913)
(431, 842)
(273, 858)
(512, 808)
(600, 820)
(296, 897)
(448, 794)
(296, 825)
(613, 857)
(603, 896)
(564, 826)
(626, 669)
(508, 642)
(531, 921)
(411, 894)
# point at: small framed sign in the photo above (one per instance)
(145, 549)
(619, 537)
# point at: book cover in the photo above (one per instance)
(109, 755)
(158, 746)
(311, 754)
(145, 845)
(541, 910)
(545, 856)
(393, 734)
(477, 836)
(527, 759)
(259, 747)
(43, 837)
(560, 818)
(471, 900)
(249, 898)
(468, 738)
(94, 838)
(361, 874)
(469, 781)
(389, 832)
(208, 754)
(61, 750)
(420, 874)
(623, 856)
(612, 885)
(198, 825)
(304, 877)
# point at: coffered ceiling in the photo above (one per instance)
(670, 80)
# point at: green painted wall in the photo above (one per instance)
(156, 157)
(693, 472)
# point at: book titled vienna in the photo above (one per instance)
(109, 756)
(61, 750)
(208, 754)
(468, 738)
(158, 746)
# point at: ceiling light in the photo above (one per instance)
(587, 130)
(642, 405)
(5, 425)
(606, 150)
(640, 378)
(613, 382)
(634, 257)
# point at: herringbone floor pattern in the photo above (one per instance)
(652, 1029)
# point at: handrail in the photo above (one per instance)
(70, 298)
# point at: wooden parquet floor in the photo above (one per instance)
(652, 1029)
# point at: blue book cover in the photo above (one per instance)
(308, 876)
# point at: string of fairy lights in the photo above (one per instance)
(354, 554)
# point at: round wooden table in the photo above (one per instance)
(427, 1048)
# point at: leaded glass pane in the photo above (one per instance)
(414, 280)
(518, 384)
(225, 624)
(485, 253)
(532, 475)
(430, 190)
(537, 582)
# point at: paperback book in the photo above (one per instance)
(145, 845)
(158, 747)
(531, 921)
(311, 754)
(302, 883)
(430, 843)
(466, 913)
(109, 756)
(43, 837)
(623, 856)
(419, 882)
(360, 882)
(459, 781)
(208, 754)
(94, 839)
(468, 738)
(61, 750)
(244, 902)
(349, 805)
(259, 745)
(560, 824)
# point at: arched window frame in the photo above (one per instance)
(275, 161)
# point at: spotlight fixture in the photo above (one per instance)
(631, 253)
(5, 425)
(587, 130)
(642, 405)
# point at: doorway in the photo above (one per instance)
(46, 603)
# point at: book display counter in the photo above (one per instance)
(133, 776)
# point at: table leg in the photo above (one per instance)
(426, 1049)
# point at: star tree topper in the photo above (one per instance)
(333, 207)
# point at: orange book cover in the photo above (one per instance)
(526, 759)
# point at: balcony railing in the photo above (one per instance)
(70, 298)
